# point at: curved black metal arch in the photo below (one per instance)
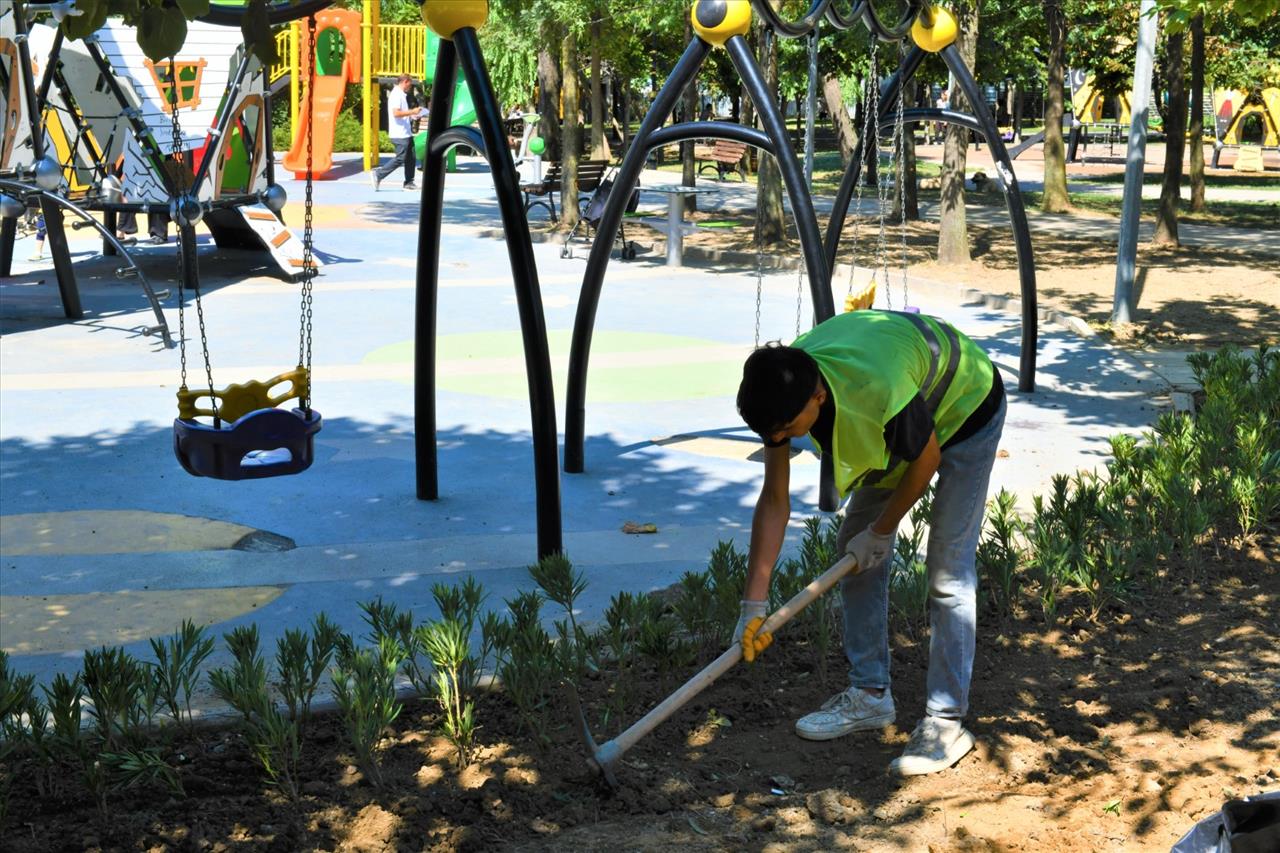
(863, 10)
(490, 141)
(773, 138)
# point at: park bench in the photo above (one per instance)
(726, 158)
(543, 193)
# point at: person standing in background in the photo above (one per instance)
(400, 130)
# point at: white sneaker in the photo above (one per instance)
(935, 745)
(853, 710)
(374, 179)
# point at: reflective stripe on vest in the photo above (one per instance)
(936, 391)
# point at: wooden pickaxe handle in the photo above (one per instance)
(609, 752)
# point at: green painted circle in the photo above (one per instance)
(626, 367)
(537, 145)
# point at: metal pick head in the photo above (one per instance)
(584, 732)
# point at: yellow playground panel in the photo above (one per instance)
(1247, 118)
(386, 51)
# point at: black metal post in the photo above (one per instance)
(792, 175)
(1017, 213)
(28, 85)
(524, 273)
(606, 231)
(8, 235)
(427, 278)
(111, 222)
(61, 255)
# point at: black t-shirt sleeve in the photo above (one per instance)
(907, 432)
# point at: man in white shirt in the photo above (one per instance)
(400, 130)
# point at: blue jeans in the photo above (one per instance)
(404, 154)
(955, 526)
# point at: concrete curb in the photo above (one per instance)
(748, 260)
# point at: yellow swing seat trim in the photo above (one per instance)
(237, 400)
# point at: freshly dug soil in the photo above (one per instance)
(1114, 734)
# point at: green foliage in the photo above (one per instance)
(449, 645)
(117, 685)
(301, 660)
(177, 667)
(1000, 556)
(272, 737)
(527, 663)
(726, 578)
(561, 584)
(909, 578)
(364, 685)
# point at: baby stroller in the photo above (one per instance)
(590, 213)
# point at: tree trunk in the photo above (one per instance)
(598, 151)
(1018, 100)
(549, 91)
(904, 192)
(688, 167)
(1055, 198)
(1175, 124)
(626, 117)
(953, 231)
(571, 144)
(840, 119)
(770, 227)
(1196, 131)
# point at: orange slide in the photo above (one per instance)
(330, 89)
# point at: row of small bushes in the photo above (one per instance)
(1187, 485)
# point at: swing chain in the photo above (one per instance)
(308, 265)
(882, 200)
(871, 108)
(186, 259)
(759, 284)
(900, 152)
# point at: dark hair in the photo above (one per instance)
(777, 382)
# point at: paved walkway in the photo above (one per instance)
(106, 540)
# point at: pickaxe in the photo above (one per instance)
(604, 756)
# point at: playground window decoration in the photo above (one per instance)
(189, 73)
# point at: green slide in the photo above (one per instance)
(464, 111)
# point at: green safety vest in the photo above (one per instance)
(874, 362)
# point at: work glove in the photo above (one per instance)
(750, 617)
(869, 548)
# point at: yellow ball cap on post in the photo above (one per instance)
(446, 17)
(716, 21)
(937, 35)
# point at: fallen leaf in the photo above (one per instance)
(633, 527)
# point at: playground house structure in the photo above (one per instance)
(1248, 120)
(355, 48)
(99, 128)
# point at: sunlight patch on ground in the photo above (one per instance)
(44, 624)
(114, 532)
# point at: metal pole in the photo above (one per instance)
(427, 279)
(524, 273)
(1126, 254)
(606, 229)
(811, 106)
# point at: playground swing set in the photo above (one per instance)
(222, 177)
(250, 436)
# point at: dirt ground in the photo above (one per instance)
(1115, 734)
(1185, 296)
